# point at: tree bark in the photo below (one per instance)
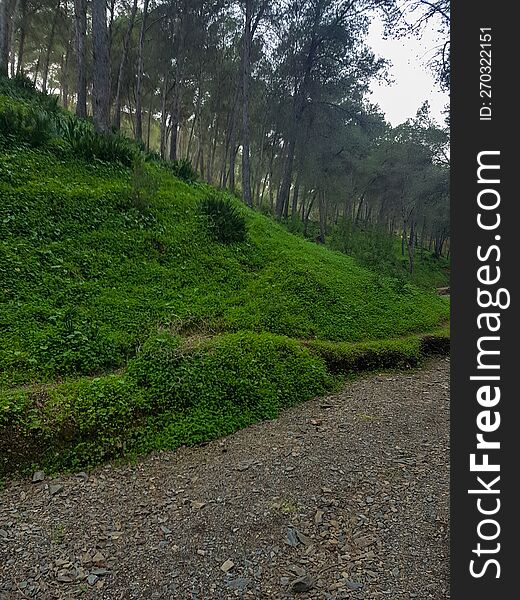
(164, 117)
(246, 74)
(139, 83)
(6, 20)
(49, 47)
(21, 42)
(100, 67)
(12, 33)
(411, 247)
(80, 17)
(65, 78)
(116, 122)
(178, 86)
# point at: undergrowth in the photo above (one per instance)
(136, 314)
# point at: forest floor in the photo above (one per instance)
(344, 496)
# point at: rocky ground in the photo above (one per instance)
(341, 497)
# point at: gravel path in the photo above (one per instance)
(341, 497)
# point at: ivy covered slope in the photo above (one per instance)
(141, 311)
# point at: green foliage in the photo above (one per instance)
(225, 223)
(24, 123)
(144, 185)
(400, 353)
(96, 258)
(184, 170)
(372, 245)
(89, 144)
(171, 395)
(247, 369)
(22, 88)
(366, 356)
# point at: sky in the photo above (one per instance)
(413, 81)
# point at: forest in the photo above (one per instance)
(265, 99)
(204, 220)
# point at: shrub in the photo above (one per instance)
(21, 122)
(72, 425)
(225, 223)
(184, 170)
(74, 344)
(88, 144)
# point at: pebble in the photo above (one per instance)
(240, 583)
(302, 584)
(227, 565)
(38, 476)
(55, 489)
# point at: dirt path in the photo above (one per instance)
(346, 495)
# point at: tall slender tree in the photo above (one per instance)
(139, 79)
(6, 20)
(100, 67)
(80, 19)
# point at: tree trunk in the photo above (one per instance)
(164, 117)
(65, 79)
(80, 17)
(308, 214)
(116, 122)
(21, 42)
(6, 21)
(177, 91)
(246, 74)
(300, 92)
(139, 83)
(149, 124)
(360, 206)
(12, 33)
(411, 247)
(37, 68)
(323, 216)
(100, 67)
(294, 207)
(285, 186)
(49, 47)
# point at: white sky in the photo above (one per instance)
(413, 80)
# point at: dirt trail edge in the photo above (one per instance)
(341, 497)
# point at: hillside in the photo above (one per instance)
(128, 325)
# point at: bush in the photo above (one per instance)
(184, 170)
(74, 344)
(88, 144)
(71, 425)
(24, 123)
(22, 88)
(225, 223)
(372, 245)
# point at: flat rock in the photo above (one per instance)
(227, 565)
(302, 584)
(240, 583)
(38, 476)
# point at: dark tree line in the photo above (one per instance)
(265, 98)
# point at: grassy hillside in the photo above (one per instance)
(126, 325)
